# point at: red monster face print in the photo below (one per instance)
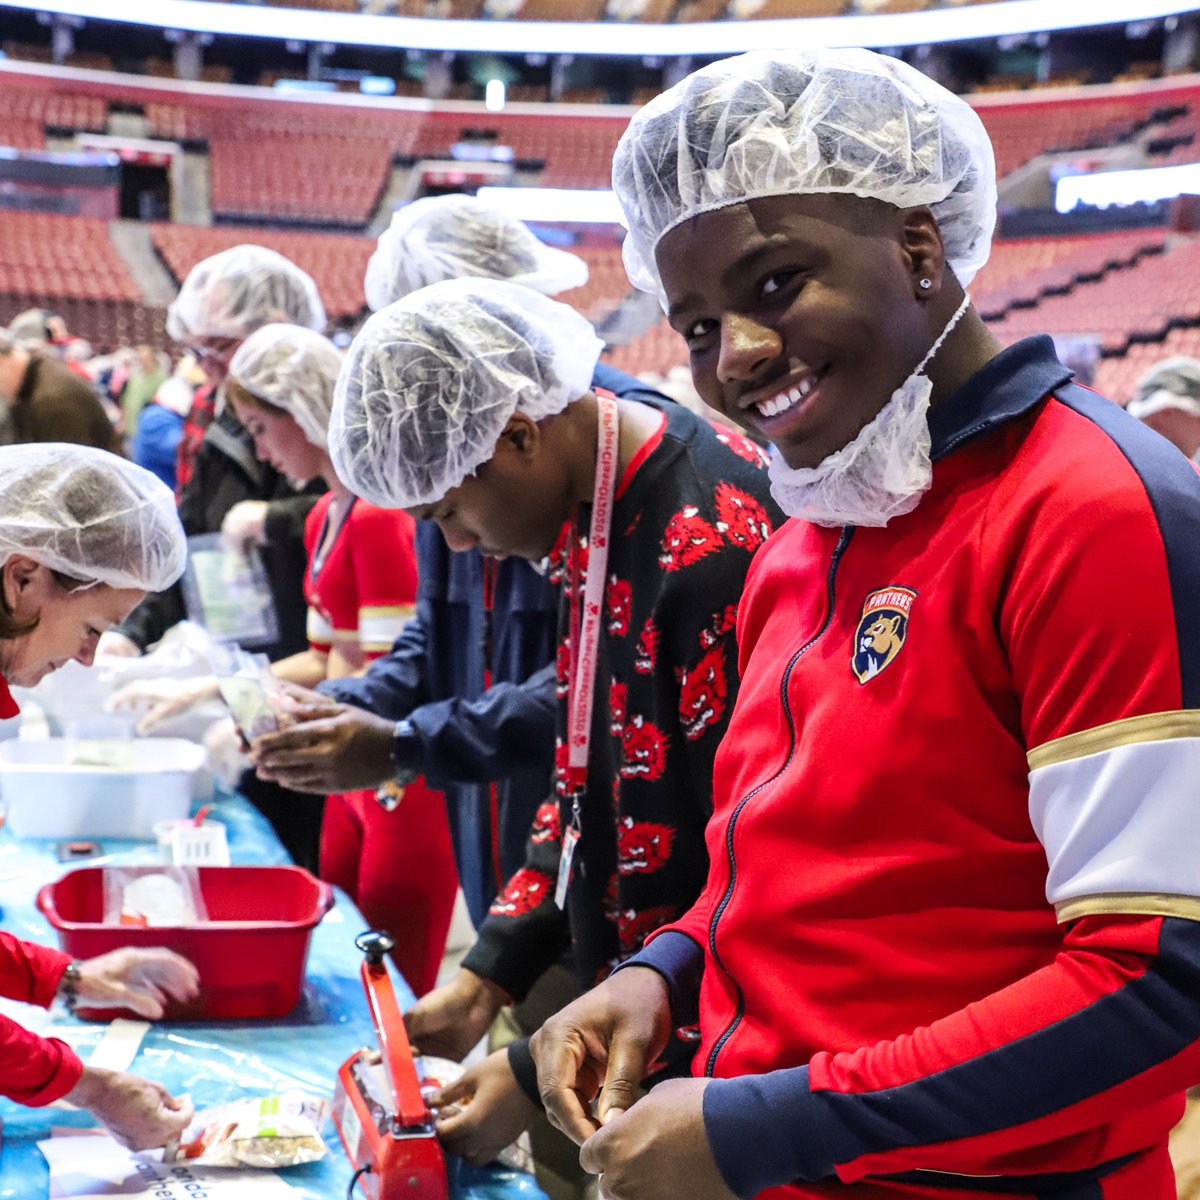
(547, 826)
(562, 669)
(561, 763)
(526, 890)
(620, 601)
(612, 901)
(617, 698)
(741, 519)
(742, 446)
(647, 649)
(645, 748)
(633, 927)
(642, 846)
(703, 693)
(687, 539)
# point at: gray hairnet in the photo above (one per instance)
(430, 382)
(292, 368)
(89, 514)
(232, 293)
(798, 122)
(1171, 383)
(451, 237)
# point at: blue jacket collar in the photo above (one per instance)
(1002, 390)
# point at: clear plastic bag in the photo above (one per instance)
(153, 896)
(268, 1132)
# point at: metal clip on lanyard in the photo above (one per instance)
(585, 635)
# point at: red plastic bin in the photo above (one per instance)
(250, 953)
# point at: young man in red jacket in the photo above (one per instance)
(950, 938)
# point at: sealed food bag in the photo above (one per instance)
(153, 896)
(268, 1132)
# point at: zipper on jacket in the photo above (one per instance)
(838, 550)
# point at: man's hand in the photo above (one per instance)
(329, 748)
(658, 1150)
(141, 980)
(141, 1115)
(483, 1112)
(600, 1045)
(451, 1019)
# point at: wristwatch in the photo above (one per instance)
(406, 752)
(68, 984)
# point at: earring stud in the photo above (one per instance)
(925, 284)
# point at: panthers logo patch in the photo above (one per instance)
(881, 631)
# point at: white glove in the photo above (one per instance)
(226, 758)
(159, 700)
(245, 525)
(118, 645)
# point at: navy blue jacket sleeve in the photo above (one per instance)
(508, 729)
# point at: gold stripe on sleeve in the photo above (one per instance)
(1146, 904)
(386, 610)
(1152, 727)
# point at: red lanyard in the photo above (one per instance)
(587, 617)
(586, 597)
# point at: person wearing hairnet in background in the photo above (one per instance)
(1167, 399)
(470, 404)
(83, 536)
(949, 940)
(223, 487)
(394, 862)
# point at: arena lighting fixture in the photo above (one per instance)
(493, 95)
(1000, 18)
(1144, 185)
(577, 205)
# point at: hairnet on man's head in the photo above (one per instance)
(291, 368)
(430, 382)
(800, 122)
(90, 515)
(232, 293)
(453, 237)
(1170, 383)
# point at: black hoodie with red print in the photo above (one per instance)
(690, 512)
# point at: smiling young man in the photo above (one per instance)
(471, 404)
(950, 938)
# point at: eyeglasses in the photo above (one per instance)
(214, 349)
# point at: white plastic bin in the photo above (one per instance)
(49, 798)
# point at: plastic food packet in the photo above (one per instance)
(267, 1132)
(154, 896)
(246, 685)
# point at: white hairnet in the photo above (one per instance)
(798, 122)
(292, 368)
(89, 514)
(430, 382)
(232, 293)
(452, 237)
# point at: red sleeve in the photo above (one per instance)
(1095, 590)
(33, 1070)
(384, 561)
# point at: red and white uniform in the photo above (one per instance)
(951, 928)
(397, 866)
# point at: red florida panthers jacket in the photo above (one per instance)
(951, 928)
